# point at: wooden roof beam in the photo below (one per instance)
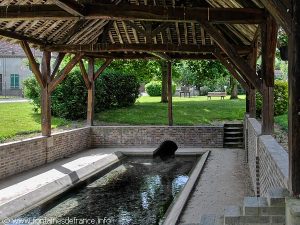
(234, 56)
(133, 12)
(70, 6)
(280, 12)
(232, 70)
(190, 48)
(163, 56)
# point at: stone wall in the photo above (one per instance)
(152, 136)
(23, 155)
(267, 160)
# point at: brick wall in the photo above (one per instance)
(152, 136)
(267, 160)
(23, 155)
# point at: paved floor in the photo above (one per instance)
(225, 181)
(13, 100)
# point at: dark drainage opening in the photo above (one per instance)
(166, 150)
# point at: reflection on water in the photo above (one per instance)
(137, 192)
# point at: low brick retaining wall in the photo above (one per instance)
(23, 155)
(267, 160)
(19, 156)
(152, 136)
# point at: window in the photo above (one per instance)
(14, 81)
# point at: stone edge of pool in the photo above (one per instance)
(174, 211)
(52, 189)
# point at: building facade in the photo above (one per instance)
(14, 69)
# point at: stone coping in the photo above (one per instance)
(175, 209)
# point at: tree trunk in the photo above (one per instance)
(164, 82)
(233, 88)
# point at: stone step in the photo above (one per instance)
(233, 133)
(233, 129)
(255, 220)
(233, 138)
(233, 125)
(210, 219)
(258, 206)
(276, 196)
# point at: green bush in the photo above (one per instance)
(280, 99)
(32, 91)
(153, 88)
(116, 90)
(69, 99)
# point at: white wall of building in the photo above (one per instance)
(9, 66)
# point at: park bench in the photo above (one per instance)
(185, 91)
(216, 94)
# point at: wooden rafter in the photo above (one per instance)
(21, 37)
(102, 68)
(70, 6)
(57, 63)
(134, 12)
(280, 12)
(84, 74)
(221, 41)
(34, 66)
(232, 70)
(190, 48)
(62, 75)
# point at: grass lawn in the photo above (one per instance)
(282, 121)
(187, 111)
(19, 118)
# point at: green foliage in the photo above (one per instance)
(280, 99)
(69, 99)
(116, 90)
(154, 88)
(203, 73)
(282, 37)
(32, 91)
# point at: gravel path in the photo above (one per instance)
(225, 181)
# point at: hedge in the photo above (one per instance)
(69, 99)
(154, 88)
(280, 99)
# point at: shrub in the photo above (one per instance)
(116, 90)
(69, 99)
(153, 88)
(32, 91)
(280, 99)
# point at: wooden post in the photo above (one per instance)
(91, 93)
(252, 102)
(170, 106)
(45, 95)
(294, 101)
(269, 40)
(252, 91)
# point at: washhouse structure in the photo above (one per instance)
(235, 32)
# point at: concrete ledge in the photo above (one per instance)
(61, 179)
(174, 211)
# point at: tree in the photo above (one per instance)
(233, 88)
(164, 81)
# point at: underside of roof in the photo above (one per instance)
(124, 37)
